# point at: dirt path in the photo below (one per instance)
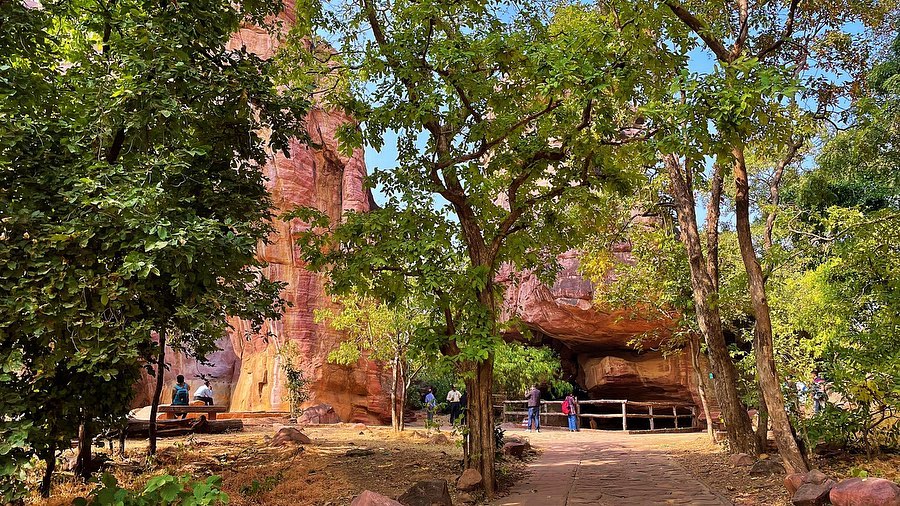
(606, 468)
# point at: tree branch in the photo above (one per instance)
(743, 31)
(700, 28)
(774, 187)
(785, 34)
(713, 211)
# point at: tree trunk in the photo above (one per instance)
(401, 394)
(794, 460)
(396, 418)
(49, 457)
(83, 459)
(480, 421)
(701, 387)
(741, 437)
(157, 392)
(122, 436)
(762, 427)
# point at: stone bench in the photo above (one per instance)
(211, 411)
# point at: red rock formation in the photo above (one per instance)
(593, 343)
(246, 373)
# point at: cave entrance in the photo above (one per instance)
(618, 388)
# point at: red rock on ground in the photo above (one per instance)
(865, 492)
(812, 494)
(369, 498)
(289, 435)
(515, 449)
(793, 482)
(469, 480)
(319, 414)
(741, 460)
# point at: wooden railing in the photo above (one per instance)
(655, 411)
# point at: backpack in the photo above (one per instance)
(181, 395)
(567, 407)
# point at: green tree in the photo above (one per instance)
(131, 201)
(383, 333)
(746, 99)
(291, 363)
(518, 366)
(517, 116)
(837, 309)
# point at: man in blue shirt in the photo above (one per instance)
(430, 405)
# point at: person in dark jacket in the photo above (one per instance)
(534, 408)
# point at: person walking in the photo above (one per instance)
(453, 397)
(570, 409)
(430, 406)
(204, 393)
(534, 408)
(180, 393)
(819, 395)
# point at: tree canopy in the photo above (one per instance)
(131, 201)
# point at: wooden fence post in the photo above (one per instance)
(652, 426)
(624, 417)
(675, 413)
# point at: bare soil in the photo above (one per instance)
(708, 463)
(323, 473)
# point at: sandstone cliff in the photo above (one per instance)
(245, 374)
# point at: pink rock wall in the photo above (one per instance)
(246, 373)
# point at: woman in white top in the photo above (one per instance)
(204, 393)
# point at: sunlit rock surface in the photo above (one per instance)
(246, 375)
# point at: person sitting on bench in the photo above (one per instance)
(180, 394)
(204, 394)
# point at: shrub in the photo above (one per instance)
(165, 490)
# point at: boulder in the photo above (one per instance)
(793, 482)
(319, 414)
(766, 467)
(427, 493)
(865, 492)
(469, 480)
(369, 498)
(741, 460)
(439, 439)
(812, 494)
(515, 449)
(816, 476)
(290, 435)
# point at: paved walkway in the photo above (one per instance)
(604, 468)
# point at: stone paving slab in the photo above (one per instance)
(604, 468)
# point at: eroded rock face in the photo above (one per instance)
(566, 310)
(246, 375)
(638, 377)
(594, 344)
